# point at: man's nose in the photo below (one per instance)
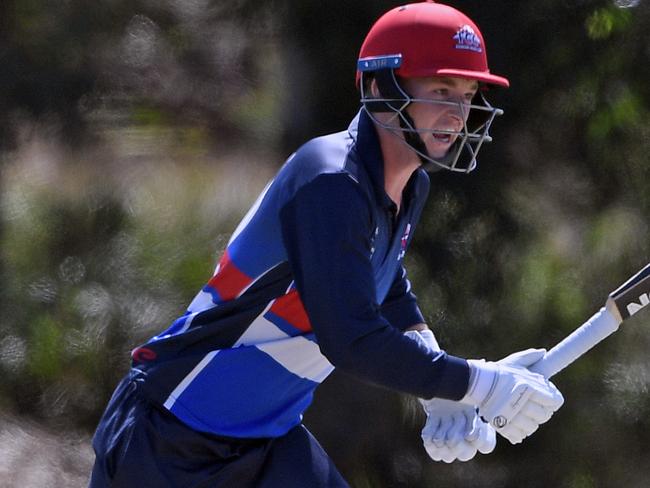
(458, 108)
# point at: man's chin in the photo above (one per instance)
(439, 150)
(438, 153)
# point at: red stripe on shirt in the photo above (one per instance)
(229, 281)
(290, 308)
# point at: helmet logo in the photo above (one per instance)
(466, 38)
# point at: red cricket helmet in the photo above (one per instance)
(427, 39)
(422, 40)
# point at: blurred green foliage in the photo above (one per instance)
(136, 134)
(605, 21)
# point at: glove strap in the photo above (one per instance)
(482, 381)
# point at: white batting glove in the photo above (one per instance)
(525, 358)
(514, 400)
(453, 431)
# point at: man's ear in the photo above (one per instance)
(374, 89)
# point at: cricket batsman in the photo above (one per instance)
(313, 279)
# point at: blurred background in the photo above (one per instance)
(134, 134)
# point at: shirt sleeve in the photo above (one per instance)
(400, 307)
(326, 229)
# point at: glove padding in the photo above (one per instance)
(514, 400)
(453, 431)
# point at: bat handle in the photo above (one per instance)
(598, 327)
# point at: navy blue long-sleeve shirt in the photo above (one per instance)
(311, 279)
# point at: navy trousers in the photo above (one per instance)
(141, 445)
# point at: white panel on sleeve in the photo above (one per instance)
(300, 356)
(261, 330)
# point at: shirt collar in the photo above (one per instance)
(368, 150)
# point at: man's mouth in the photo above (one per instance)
(444, 138)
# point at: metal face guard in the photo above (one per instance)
(461, 156)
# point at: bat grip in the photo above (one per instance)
(597, 328)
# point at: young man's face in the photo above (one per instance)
(439, 116)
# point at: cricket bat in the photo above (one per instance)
(623, 303)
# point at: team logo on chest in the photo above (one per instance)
(404, 242)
